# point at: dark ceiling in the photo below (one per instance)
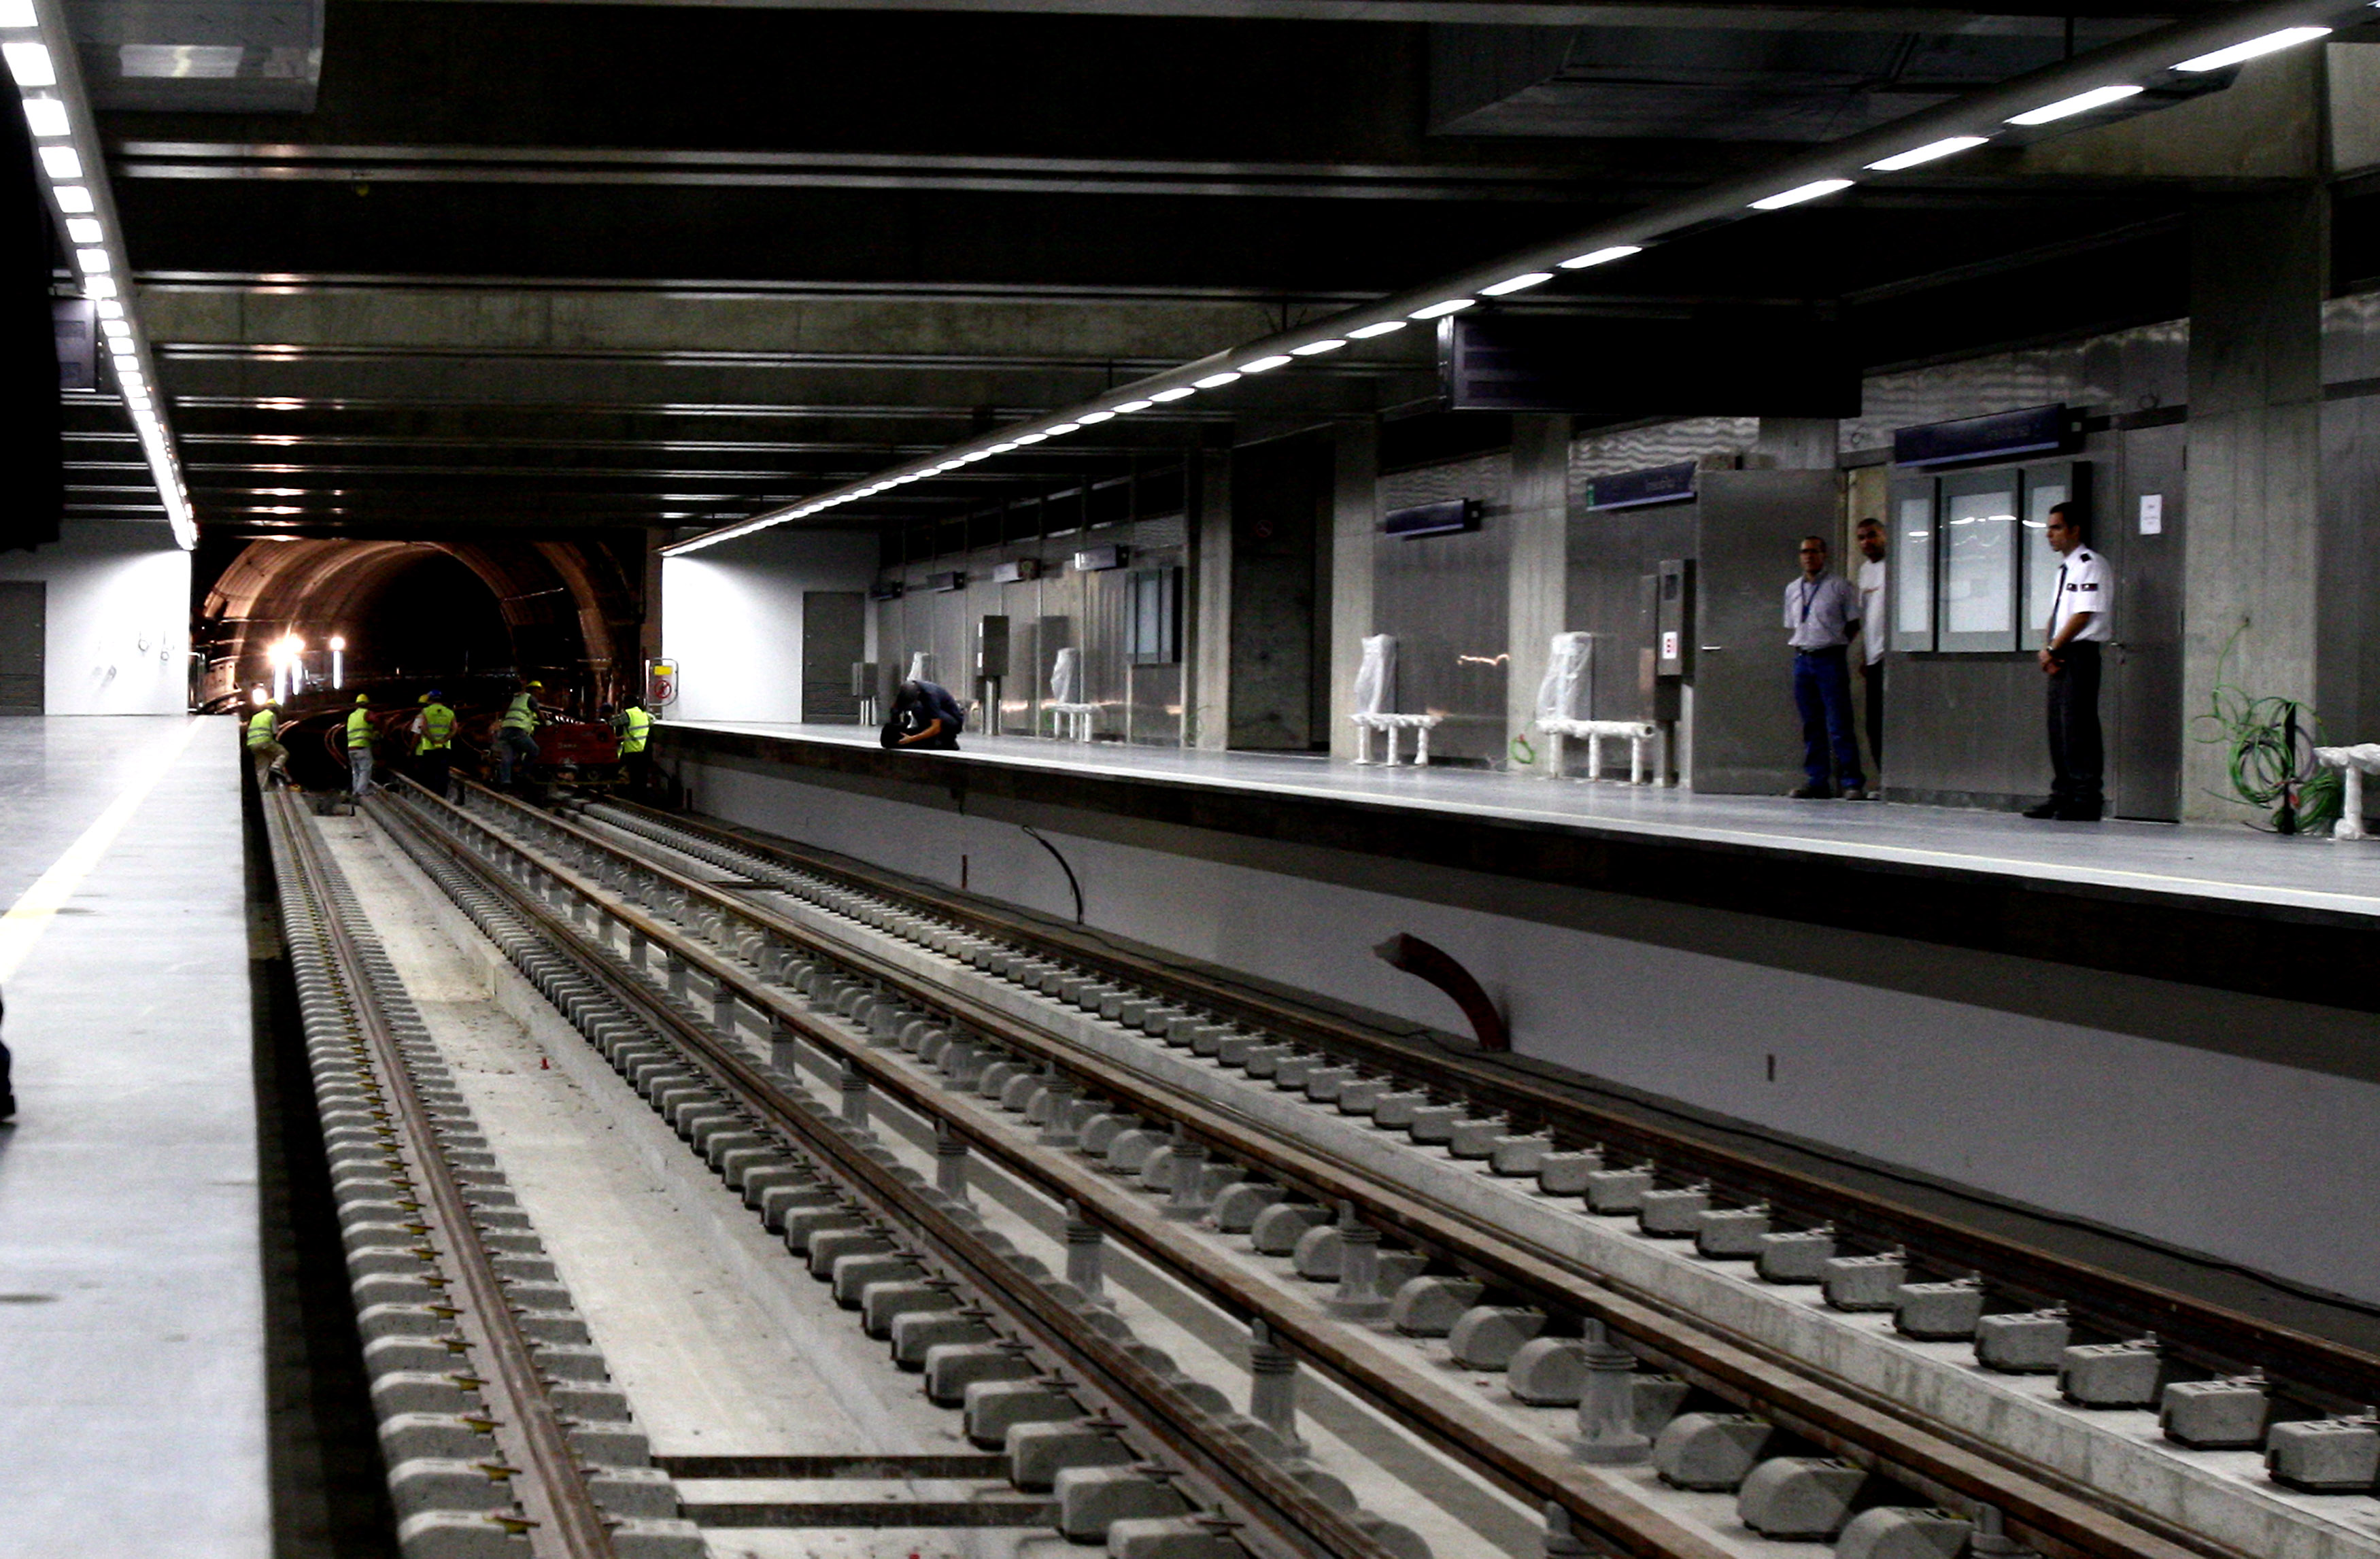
(560, 267)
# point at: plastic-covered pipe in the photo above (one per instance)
(1433, 963)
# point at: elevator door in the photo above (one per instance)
(24, 616)
(833, 635)
(2143, 697)
(1747, 740)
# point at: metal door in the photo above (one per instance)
(24, 615)
(834, 635)
(2142, 702)
(1746, 738)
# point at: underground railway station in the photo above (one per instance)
(1190, 779)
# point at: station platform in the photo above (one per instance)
(2199, 904)
(132, 1333)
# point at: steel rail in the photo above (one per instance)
(2328, 1373)
(574, 1527)
(2061, 1515)
(1301, 1523)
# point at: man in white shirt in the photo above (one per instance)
(2078, 625)
(1822, 613)
(1874, 633)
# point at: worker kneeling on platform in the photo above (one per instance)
(359, 747)
(515, 744)
(434, 731)
(925, 715)
(264, 748)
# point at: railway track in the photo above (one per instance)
(889, 1000)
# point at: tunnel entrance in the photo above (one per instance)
(432, 617)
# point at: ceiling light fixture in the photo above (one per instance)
(1031, 438)
(61, 163)
(30, 64)
(1180, 392)
(1517, 284)
(1315, 348)
(83, 230)
(1814, 189)
(1063, 428)
(1215, 381)
(2080, 102)
(98, 286)
(72, 197)
(1440, 310)
(2270, 42)
(1931, 152)
(1088, 417)
(47, 116)
(93, 261)
(1128, 408)
(1000, 449)
(1387, 327)
(18, 13)
(1604, 256)
(1265, 365)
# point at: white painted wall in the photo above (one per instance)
(119, 617)
(732, 618)
(2262, 1164)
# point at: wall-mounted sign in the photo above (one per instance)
(2152, 513)
(1094, 559)
(1634, 490)
(1432, 519)
(1016, 571)
(660, 684)
(2003, 435)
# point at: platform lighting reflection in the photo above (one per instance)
(1180, 392)
(2080, 102)
(1930, 152)
(1814, 189)
(1366, 332)
(2271, 42)
(1440, 310)
(1517, 284)
(1604, 256)
(1215, 381)
(1264, 364)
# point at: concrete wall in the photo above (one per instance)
(118, 611)
(733, 618)
(2203, 1147)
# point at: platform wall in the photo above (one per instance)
(118, 610)
(732, 618)
(2251, 1161)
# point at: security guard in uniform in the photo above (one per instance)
(359, 747)
(437, 749)
(635, 724)
(513, 742)
(264, 748)
(2078, 625)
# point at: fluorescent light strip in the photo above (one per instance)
(61, 163)
(30, 64)
(1215, 381)
(1602, 256)
(72, 197)
(18, 13)
(1089, 418)
(1440, 310)
(1931, 152)
(1366, 332)
(1063, 428)
(2271, 42)
(46, 117)
(2080, 102)
(1128, 408)
(1814, 189)
(1315, 348)
(1517, 284)
(1180, 392)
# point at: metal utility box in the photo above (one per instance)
(863, 679)
(991, 647)
(1673, 618)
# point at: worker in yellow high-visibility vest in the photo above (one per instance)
(515, 744)
(436, 751)
(264, 748)
(359, 747)
(634, 725)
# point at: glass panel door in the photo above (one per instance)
(1978, 550)
(1909, 562)
(2045, 485)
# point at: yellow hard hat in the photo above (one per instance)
(423, 699)
(360, 699)
(539, 686)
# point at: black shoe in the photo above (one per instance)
(2045, 812)
(7, 1109)
(1811, 792)
(2077, 814)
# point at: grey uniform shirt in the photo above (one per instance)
(1821, 613)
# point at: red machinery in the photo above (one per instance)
(568, 743)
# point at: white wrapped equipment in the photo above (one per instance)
(1567, 690)
(921, 666)
(1375, 684)
(1068, 713)
(2357, 761)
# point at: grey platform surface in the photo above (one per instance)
(132, 1417)
(2209, 861)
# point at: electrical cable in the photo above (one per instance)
(2271, 762)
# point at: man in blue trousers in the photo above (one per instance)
(1822, 613)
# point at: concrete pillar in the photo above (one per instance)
(2251, 565)
(1538, 565)
(1207, 700)
(1797, 443)
(1355, 531)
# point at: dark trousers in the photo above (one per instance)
(515, 749)
(2076, 757)
(638, 769)
(1873, 682)
(430, 769)
(8, 1099)
(1822, 690)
